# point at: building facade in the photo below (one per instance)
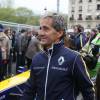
(84, 12)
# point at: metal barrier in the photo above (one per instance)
(18, 26)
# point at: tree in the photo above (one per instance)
(22, 11)
(6, 13)
(24, 15)
(20, 15)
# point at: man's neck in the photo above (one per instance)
(51, 46)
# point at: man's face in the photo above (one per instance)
(47, 34)
(75, 30)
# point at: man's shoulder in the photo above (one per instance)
(70, 54)
(38, 55)
(70, 51)
(38, 58)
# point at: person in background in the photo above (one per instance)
(90, 53)
(22, 41)
(8, 32)
(4, 45)
(93, 34)
(79, 38)
(33, 47)
(14, 45)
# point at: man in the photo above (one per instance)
(57, 73)
(79, 39)
(5, 48)
(32, 48)
(21, 43)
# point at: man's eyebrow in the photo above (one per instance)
(44, 27)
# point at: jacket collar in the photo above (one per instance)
(54, 49)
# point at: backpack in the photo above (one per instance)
(88, 57)
(90, 61)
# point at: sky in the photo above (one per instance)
(38, 6)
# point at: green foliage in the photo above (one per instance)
(20, 15)
(23, 12)
(6, 13)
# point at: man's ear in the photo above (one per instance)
(60, 34)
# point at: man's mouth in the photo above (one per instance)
(43, 38)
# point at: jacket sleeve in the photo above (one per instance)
(82, 79)
(30, 87)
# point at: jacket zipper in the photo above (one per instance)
(49, 56)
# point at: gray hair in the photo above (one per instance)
(58, 21)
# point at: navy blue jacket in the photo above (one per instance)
(58, 74)
(78, 42)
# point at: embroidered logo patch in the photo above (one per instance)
(61, 60)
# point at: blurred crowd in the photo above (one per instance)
(19, 48)
(16, 50)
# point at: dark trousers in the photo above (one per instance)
(10, 61)
(20, 60)
(29, 61)
(3, 69)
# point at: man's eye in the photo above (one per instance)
(45, 28)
